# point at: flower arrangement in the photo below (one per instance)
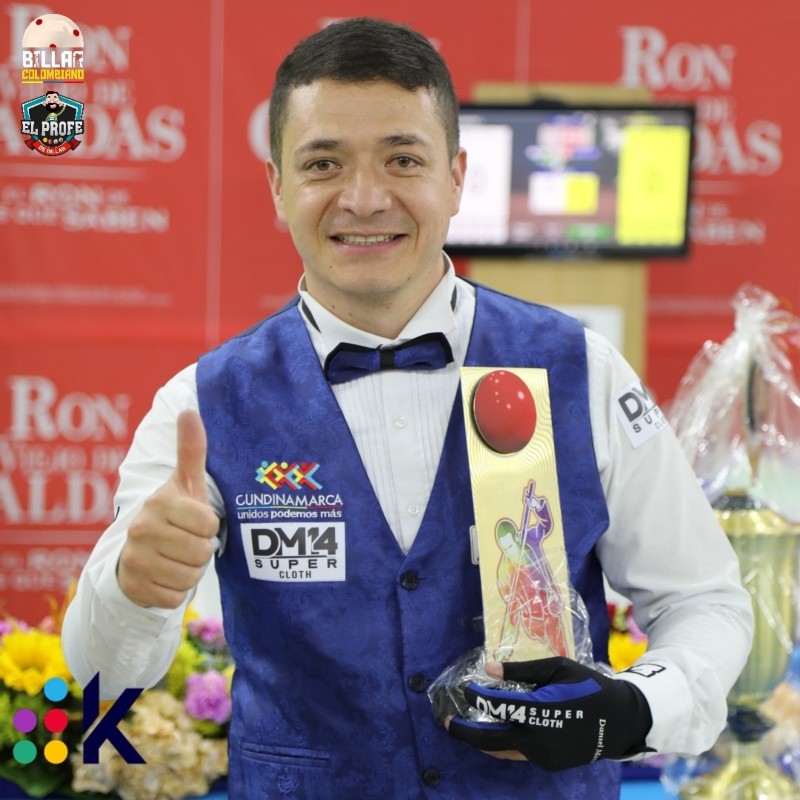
(180, 727)
(626, 642)
(28, 658)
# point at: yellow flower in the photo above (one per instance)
(190, 614)
(187, 661)
(28, 659)
(228, 673)
(623, 649)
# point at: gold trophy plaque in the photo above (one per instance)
(520, 538)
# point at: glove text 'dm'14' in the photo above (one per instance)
(573, 716)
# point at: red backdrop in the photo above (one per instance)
(122, 261)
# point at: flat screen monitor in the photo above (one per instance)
(575, 181)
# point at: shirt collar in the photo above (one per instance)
(436, 314)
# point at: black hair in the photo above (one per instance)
(362, 50)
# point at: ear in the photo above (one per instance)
(274, 178)
(458, 170)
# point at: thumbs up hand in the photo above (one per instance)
(171, 540)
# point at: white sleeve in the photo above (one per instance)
(103, 631)
(665, 551)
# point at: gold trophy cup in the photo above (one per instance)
(766, 544)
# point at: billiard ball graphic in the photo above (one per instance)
(504, 411)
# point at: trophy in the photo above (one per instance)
(766, 544)
(520, 540)
(529, 609)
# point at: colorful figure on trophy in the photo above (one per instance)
(525, 580)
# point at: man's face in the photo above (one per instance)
(367, 190)
(51, 101)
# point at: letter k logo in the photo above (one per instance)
(106, 729)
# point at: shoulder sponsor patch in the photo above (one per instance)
(637, 412)
(295, 552)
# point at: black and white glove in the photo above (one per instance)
(572, 716)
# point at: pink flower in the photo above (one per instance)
(207, 697)
(7, 625)
(635, 631)
(208, 631)
(48, 625)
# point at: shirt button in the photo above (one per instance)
(409, 580)
(400, 422)
(413, 510)
(417, 682)
(431, 777)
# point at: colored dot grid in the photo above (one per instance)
(55, 721)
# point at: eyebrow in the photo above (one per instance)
(314, 145)
(327, 145)
(405, 139)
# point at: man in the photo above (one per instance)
(338, 498)
(52, 107)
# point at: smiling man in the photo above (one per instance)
(320, 459)
(367, 185)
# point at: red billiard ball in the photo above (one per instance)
(504, 411)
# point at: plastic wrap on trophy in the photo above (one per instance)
(737, 415)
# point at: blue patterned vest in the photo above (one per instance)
(333, 655)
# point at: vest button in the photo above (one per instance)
(409, 580)
(431, 777)
(417, 682)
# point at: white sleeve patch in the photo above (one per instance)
(637, 412)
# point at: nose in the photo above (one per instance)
(365, 192)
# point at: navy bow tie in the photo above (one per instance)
(346, 362)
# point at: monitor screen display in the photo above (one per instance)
(599, 181)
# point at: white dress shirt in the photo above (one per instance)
(663, 549)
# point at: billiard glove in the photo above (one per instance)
(573, 715)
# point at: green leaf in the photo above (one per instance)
(37, 780)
